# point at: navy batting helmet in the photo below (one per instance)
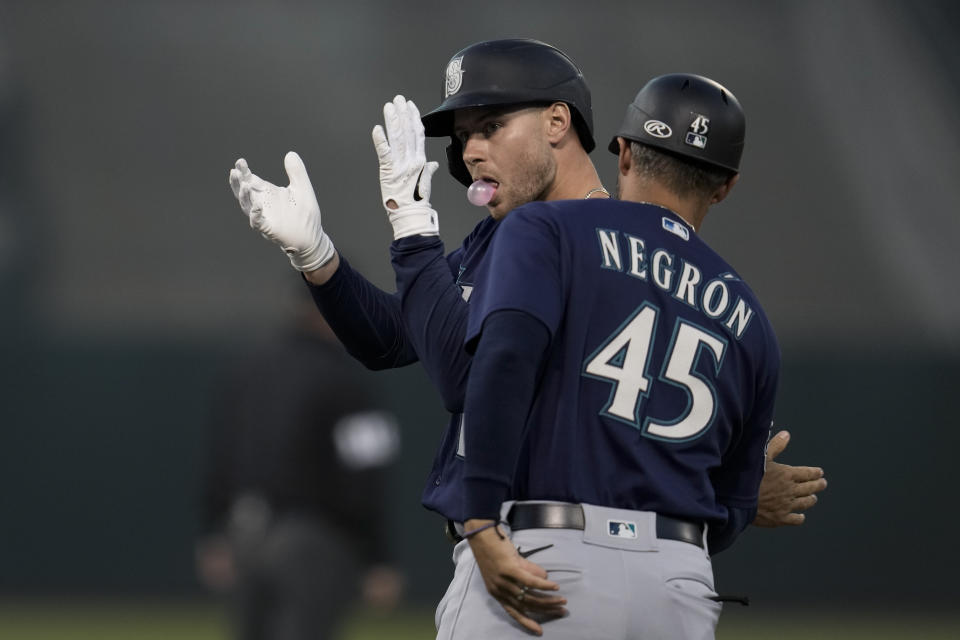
(687, 115)
(503, 72)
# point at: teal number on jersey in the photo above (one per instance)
(624, 360)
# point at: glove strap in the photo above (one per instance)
(314, 258)
(416, 219)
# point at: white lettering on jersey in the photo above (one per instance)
(707, 303)
(684, 353)
(740, 316)
(689, 278)
(662, 275)
(623, 360)
(610, 249)
(714, 300)
(638, 267)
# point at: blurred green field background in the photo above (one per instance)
(205, 621)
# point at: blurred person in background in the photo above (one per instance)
(294, 490)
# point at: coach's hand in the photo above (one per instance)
(515, 582)
(290, 216)
(785, 491)
(405, 174)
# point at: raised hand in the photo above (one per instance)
(289, 216)
(405, 174)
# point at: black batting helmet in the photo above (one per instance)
(502, 72)
(687, 115)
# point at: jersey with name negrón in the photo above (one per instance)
(659, 382)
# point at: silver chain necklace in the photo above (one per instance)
(597, 190)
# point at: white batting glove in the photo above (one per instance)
(290, 216)
(404, 170)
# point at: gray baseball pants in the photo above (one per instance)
(618, 587)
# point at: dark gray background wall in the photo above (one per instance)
(128, 273)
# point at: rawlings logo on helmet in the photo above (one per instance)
(454, 77)
(657, 129)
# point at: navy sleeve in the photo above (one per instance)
(434, 314)
(364, 318)
(742, 468)
(509, 354)
(523, 271)
(737, 481)
(721, 537)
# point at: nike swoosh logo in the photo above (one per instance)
(530, 552)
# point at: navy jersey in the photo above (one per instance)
(658, 386)
(443, 490)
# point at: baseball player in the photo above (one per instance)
(642, 374)
(425, 319)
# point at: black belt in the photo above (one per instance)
(525, 515)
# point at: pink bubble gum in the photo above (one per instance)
(480, 193)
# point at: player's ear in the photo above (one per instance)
(724, 189)
(558, 121)
(625, 157)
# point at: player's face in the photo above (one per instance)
(508, 148)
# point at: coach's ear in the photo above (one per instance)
(724, 189)
(625, 158)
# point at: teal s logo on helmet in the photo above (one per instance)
(454, 77)
(513, 71)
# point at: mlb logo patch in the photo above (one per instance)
(696, 140)
(621, 529)
(676, 228)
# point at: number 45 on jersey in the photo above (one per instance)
(624, 361)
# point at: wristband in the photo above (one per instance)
(467, 534)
